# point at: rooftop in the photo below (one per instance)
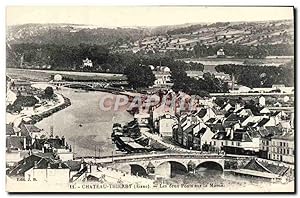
(265, 167)
(237, 136)
(10, 129)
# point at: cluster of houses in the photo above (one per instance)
(24, 139)
(233, 128)
(34, 155)
(237, 127)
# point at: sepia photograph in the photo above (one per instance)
(150, 99)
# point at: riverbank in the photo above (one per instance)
(41, 115)
(33, 115)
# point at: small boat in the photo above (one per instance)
(80, 125)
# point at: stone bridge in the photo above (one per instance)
(163, 164)
(167, 167)
(88, 85)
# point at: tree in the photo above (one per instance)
(258, 76)
(48, 92)
(139, 76)
(24, 101)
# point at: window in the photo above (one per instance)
(280, 144)
(226, 143)
(232, 143)
(288, 151)
(238, 144)
(215, 143)
(222, 143)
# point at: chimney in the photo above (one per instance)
(59, 165)
(89, 167)
(237, 106)
(188, 121)
(35, 164)
(63, 141)
(48, 165)
(228, 131)
(82, 165)
(25, 143)
(233, 80)
(231, 134)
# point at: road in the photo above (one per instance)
(143, 156)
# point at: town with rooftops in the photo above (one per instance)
(199, 107)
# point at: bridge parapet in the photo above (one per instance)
(163, 163)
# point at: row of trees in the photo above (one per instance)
(235, 50)
(181, 81)
(243, 51)
(258, 76)
(140, 75)
(62, 57)
(201, 87)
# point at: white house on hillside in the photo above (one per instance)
(87, 63)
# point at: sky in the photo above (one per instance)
(142, 16)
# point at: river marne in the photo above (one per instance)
(84, 125)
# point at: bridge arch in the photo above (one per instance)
(211, 165)
(170, 168)
(139, 170)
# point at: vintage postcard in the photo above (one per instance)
(150, 99)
